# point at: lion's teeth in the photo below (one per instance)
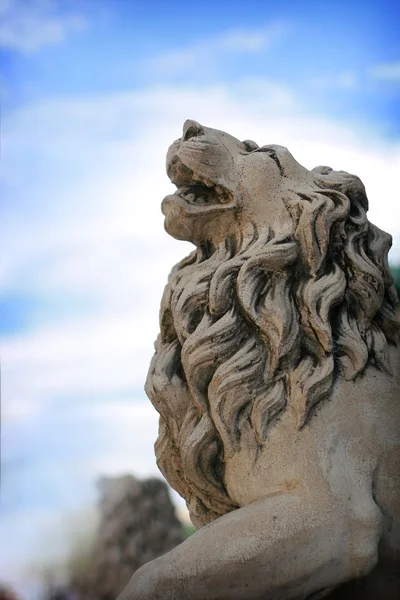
(190, 197)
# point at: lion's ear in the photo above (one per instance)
(250, 145)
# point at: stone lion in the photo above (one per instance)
(276, 376)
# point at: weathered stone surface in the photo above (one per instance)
(137, 524)
(276, 376)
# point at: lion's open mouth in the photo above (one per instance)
(195, 189)
(199, 193)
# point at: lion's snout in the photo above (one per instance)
(191, 129)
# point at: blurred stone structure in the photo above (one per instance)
(6, 593)
(138, 523)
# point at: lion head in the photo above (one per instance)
(288, 291)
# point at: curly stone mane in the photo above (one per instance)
(265, 321)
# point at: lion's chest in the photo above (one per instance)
(335, 453)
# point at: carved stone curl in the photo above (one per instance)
(276, 376)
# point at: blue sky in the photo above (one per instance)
(93, 92)
(313, 46)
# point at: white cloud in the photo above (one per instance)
(204, 54)
(128, 432)
(78, 359)
(388, 72)
(346, 80)
(246, 40)
(28, 25)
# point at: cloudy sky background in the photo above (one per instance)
(93, 92)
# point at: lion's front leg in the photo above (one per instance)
(282, 547)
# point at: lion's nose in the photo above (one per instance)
(191, 129)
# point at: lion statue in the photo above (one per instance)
(276, 376)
